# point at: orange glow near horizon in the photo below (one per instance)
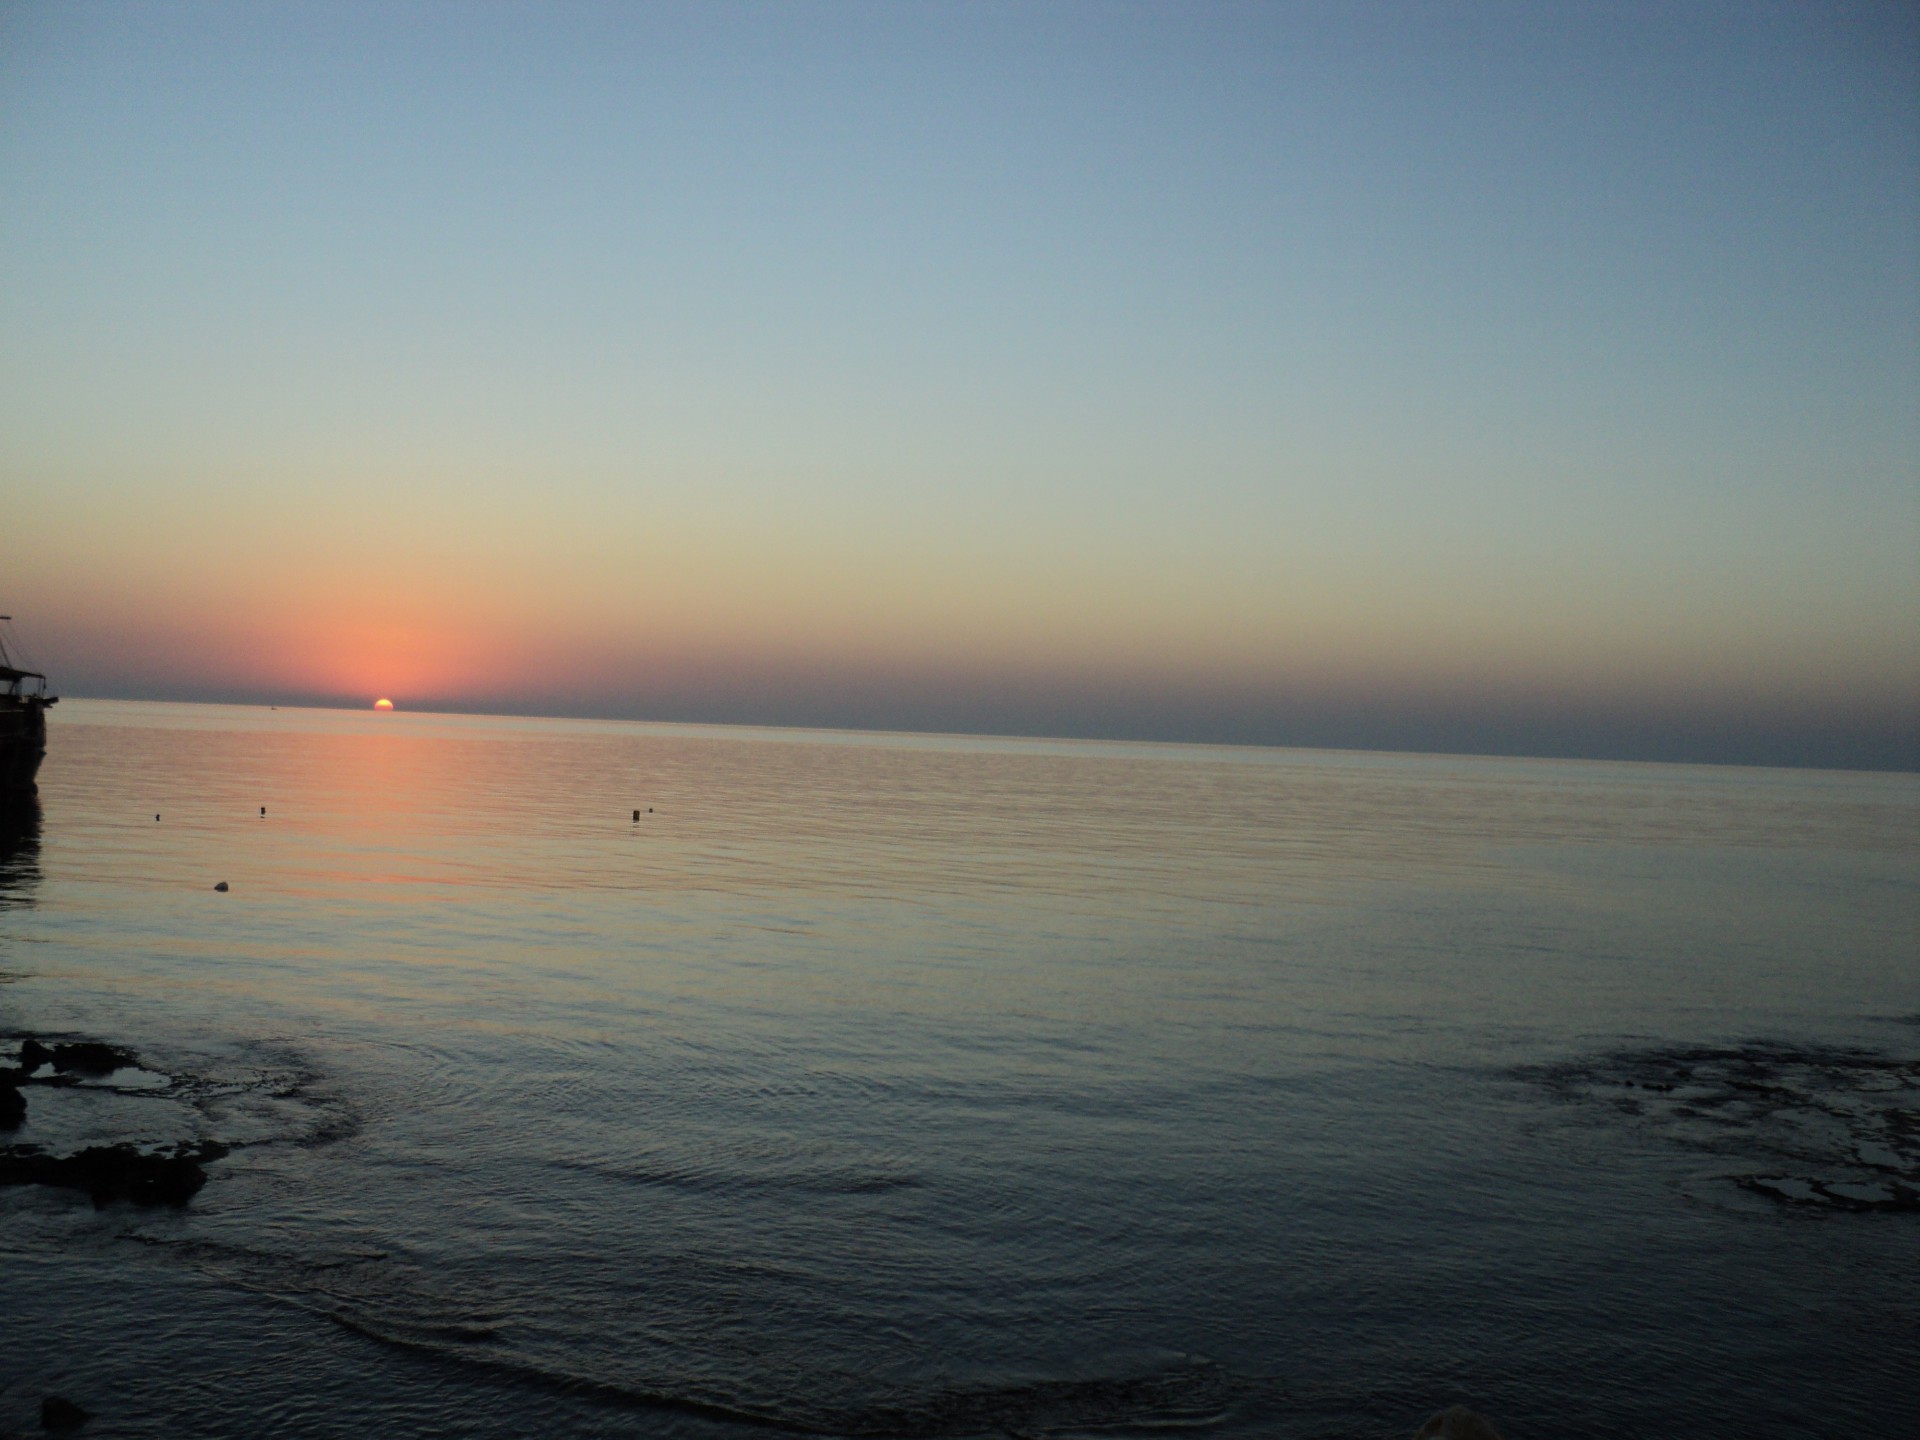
(383, 704)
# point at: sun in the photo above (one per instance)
(383, 704)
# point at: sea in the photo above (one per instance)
(585, 1078)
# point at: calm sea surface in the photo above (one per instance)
(874, 1085)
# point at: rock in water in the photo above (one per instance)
(73, 1057)
(13, 1105)
(89, 1057)
(221, 887)
(1456, 1422)
(115, 1172)
(59, 1413)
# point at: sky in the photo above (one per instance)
(1529, 378)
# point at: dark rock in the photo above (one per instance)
(90, 1057)
(221, 887)
(73, 1057)
(1456, 1422)
(59, 1413)
(13, 1105)
(115, 1172)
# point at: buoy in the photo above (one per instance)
(263, 809)
(221, 887)
(636, 817)
(156, 817)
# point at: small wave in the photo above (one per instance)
(727, 1181)
(1192, 1395)
(394, 1303)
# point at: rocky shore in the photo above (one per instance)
(142, 1175)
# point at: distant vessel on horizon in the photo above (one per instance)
(23, 723)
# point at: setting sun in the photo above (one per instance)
(383, 704)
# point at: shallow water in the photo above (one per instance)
(918, 1086)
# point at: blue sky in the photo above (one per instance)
(1536, 377)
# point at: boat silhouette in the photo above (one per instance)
(23, 723)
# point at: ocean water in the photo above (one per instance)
(877, 1085)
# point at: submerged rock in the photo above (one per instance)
(1821, 1127)
(1860, 1197)
(59, 1413)
(1457, 1422)
(115, 1172)
(68, 1060)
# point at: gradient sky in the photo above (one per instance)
(1485, 377)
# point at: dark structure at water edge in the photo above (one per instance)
(23, 724)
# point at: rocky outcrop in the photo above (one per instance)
(143, 1173)
(76, 1057)
(115, 1172)
(70, 1060)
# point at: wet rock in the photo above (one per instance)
(70, 1058)
(13, 1105)
(1821, 1127)
(90, 1057)
(221, 887)
(115, 1172)
(58, 1413)
(1457, 1422)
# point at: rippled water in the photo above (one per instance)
(911, 1086)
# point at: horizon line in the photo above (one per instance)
(1030, 736)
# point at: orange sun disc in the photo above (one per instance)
(383, 704)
